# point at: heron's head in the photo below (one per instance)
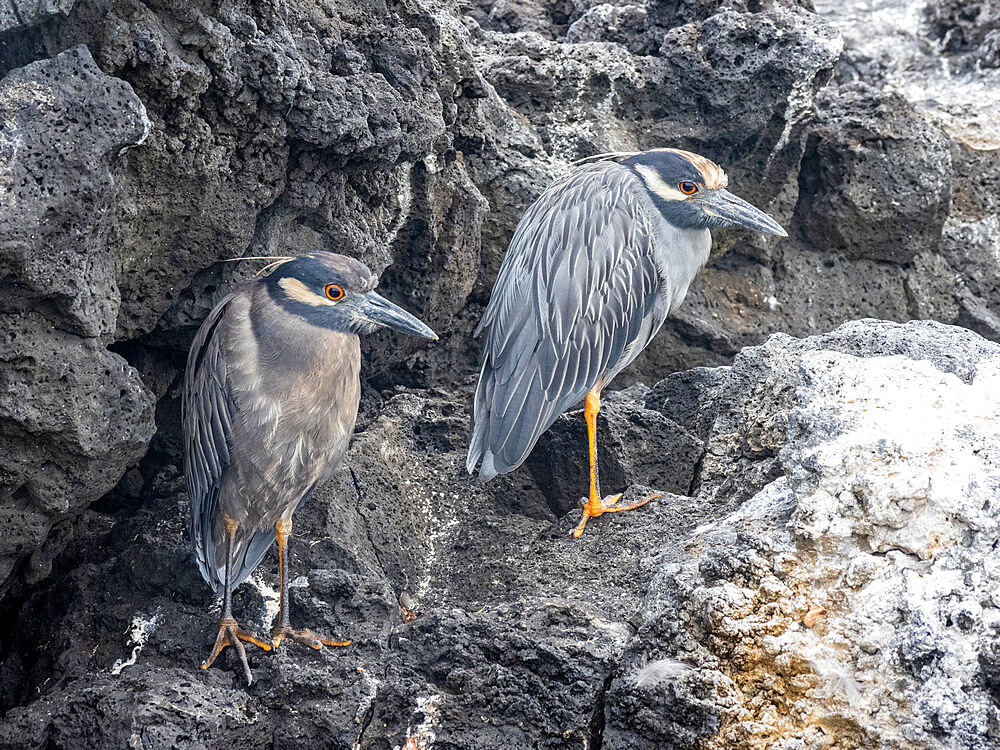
(337, 292)
(691, 192)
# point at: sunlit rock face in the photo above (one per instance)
(850, 601)
(911, 68)
(933, 53)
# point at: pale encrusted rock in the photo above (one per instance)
(851, 601)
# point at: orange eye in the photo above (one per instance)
(335, 292)
(688, 188)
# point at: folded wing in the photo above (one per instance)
(575, 287)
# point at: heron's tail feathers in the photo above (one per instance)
(203, 539)
(249, 555)
(477, 436)
(210, 553)
(487, 468)
(507, 422)
(479, 450)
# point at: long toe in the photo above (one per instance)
(241, 652)
(258, 642)
(613, 507)
(221, 641)
(303, 636)
(230, 634)
(608, 505)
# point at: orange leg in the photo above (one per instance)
(284, 629)
(596, 506)
(230, 633)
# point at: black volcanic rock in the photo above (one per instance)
(517, 621)
(70, 126)
(876, 178)
(73, 416)
(965, 26)
(16, 14)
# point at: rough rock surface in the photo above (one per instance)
(921, 50)
(15, 14)
(876, 178)
(73, 415)
(967, 26)
(855, 587)
(850, 601)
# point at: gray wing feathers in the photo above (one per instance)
(574, 289)
(248, 555)
(207, 414)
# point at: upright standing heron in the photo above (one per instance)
(596, 265)
(271, 394)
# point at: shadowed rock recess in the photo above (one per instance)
(822, 570)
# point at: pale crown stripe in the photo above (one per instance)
(299, 292)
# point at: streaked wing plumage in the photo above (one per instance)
(208, 412)
(574, 291)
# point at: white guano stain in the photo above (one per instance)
(142, 627)
(405, 197)
(369, 689)
(270, 596)
(422, 736)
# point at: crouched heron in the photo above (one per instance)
(595, 266)
(271, 395)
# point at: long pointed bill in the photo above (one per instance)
(725, 205)
(378, 309)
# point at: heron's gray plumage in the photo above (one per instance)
(269, 417)
(271, 395)
(592, 271)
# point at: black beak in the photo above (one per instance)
(379, 310)
(724, 205)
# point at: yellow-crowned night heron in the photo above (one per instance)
(270, 398)
(595, 266)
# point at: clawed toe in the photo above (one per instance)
(611, 507)
(608, 505)
(230, 634)
(303, 636)
(610, 500)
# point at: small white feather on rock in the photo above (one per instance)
(651, 674)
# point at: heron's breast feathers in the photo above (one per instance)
(295, 398)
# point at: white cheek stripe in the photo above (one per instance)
(299, 292)
(658, 186)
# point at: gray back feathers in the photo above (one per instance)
(573, 303)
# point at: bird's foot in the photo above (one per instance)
(307, 637)
(230, 634)
(593, 508)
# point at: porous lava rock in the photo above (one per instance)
(876, 178)
(143, 143)
(831, 582)
(73, 415)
